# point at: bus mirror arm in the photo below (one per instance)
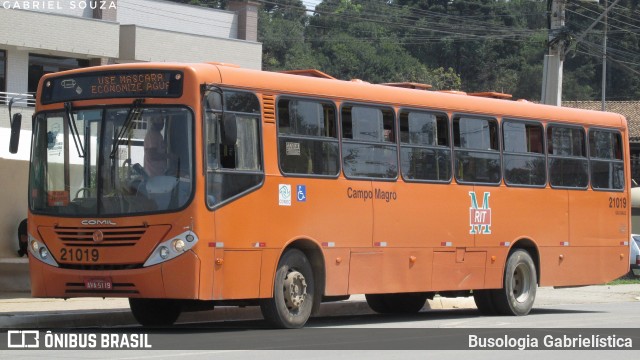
(16, 124)
(229, 129)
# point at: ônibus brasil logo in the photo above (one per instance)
(480, 217)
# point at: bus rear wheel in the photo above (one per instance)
(293, 293)
(155, 312)
(520, 285)
(407, 303)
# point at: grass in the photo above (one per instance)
(625, 280)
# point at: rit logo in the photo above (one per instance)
(480, 217)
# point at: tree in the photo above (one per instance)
(281, 29)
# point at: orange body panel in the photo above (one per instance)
(241, 274)
(409, 237)
(572, 266)
(174, 281)
(337, 267)
(464, 270)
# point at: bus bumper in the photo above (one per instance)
(174, 279)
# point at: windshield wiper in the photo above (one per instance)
(68, 107)
(134, 112)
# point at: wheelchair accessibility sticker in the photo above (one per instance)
(302, 193)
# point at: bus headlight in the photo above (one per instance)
(178, 245)
(40, 251)
(35, 246)
(164, 252)
(172, 248)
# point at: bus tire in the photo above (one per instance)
(293, 292)
(377, 303)
(155, 312)
(407, 303)
(484, 301)
(520, 285)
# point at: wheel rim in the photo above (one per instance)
(521, 283)
(295, 290)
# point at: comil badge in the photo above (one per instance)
(480, 217)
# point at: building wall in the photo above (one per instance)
(145, 44)
(17, 70)
(181, 18)
(53, 34)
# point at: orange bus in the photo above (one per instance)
(188, 186)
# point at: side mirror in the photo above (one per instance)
(229, 130)
(16, 123)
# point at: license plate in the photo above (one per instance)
(101, 283)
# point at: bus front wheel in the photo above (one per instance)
(293, 293)
(155, 312)
(520, 284)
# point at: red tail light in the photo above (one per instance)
(637, 259)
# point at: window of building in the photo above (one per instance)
(605, 154)
(568, 164)
(524, 161)
(3, 71)
(368, 147)
(308, 138)
(477, 151)
(40, 65)
(425, 152)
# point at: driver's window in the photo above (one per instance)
(233, 144)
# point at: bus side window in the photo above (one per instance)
(476, 149)
(568, 164)
(425, 154)
(307, 138)
(368, 142)
(523, 156)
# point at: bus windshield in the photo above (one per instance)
(111, 161)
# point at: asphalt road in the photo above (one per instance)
(576, 312)
(351, 336)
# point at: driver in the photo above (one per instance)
(155, 149)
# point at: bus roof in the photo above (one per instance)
(360, 91)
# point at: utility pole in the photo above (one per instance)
(607, 8)
(552, 77)
(604, 59)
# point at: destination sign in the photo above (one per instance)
(143, 83)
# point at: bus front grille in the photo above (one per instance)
(100, 266)
(100, 237)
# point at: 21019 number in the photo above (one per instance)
(79, 255)
(617, 202)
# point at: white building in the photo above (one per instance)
(39, 37)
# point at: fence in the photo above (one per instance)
(23, 100)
